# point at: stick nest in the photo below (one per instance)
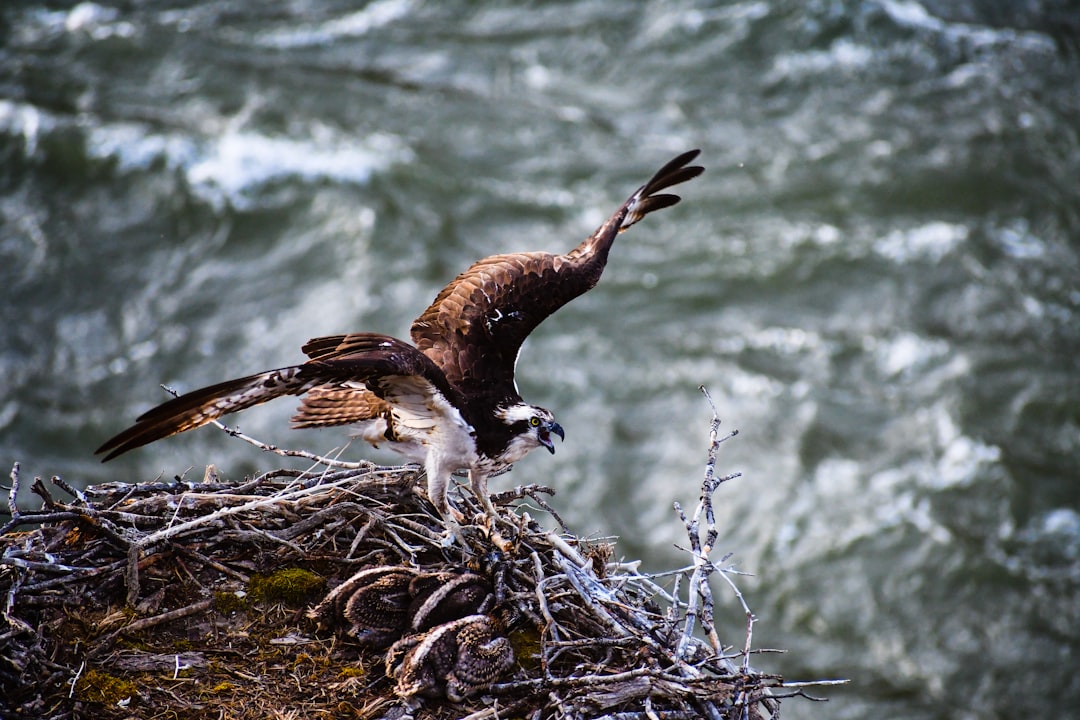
(194, 599)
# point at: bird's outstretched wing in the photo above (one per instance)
(476, 325)
(330, 405)
(378, 369)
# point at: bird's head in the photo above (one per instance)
(532, 427)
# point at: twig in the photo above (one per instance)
(212, 563)
(551, 628)
(533, 491)
(39, 489)
(75, 679)
(750, 618)
(814, 683)
(274, 538)
(38, 518)
(64, 579)
(13, 507)
(565, 550)
(47, 566)
(361, 535)
(17, 624)
(68, 488)
(131, 574)
(700, 549)
(165, 617)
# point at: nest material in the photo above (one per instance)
(194, 599)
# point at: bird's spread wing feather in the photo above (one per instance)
(375, 371)
(199, 407)
(476, 325)
(329, 405)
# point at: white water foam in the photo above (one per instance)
(374, 16)
(233, 167)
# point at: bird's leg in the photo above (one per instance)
(438, 488)
(478, 483)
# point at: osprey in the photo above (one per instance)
(449, 400)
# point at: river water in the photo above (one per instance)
(877, 278)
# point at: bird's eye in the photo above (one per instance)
(535, 422)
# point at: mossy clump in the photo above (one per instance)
(101, 687)
(227, 603)
(527, 647)
(294, 587)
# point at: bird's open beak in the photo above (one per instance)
(547, 431)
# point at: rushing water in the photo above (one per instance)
(878, 279)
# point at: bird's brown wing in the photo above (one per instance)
(476, 325)
(381, 369)
(204, 405)
(329, 405)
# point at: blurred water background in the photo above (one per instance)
(878, 279)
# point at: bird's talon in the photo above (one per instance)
(454, 531)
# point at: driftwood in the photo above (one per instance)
(189, 599)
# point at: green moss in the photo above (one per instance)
(526, 644)
(227, 603)
(293, 586)
(182, 645)
(351, 672)
(101, 687)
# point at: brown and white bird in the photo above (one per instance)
(449, 400)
